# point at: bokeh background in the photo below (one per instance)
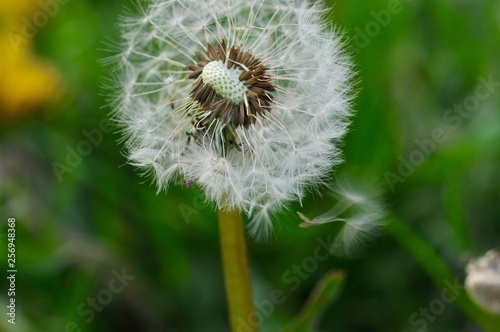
(84, 215)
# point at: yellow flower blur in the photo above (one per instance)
(26, 83)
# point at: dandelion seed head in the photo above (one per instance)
(483, 280)
(245, 99)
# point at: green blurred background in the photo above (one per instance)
(82, 220)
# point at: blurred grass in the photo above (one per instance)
(102, 217)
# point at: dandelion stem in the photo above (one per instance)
(236, 271)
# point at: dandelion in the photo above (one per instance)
(244, 99)
(483, 280)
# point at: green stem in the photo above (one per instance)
(236, 272)
(439, 272)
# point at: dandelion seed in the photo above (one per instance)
(360, 210)
(245, 99)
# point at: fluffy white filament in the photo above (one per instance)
(359, 207)
(289, 149)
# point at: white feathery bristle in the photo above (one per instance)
(359, 208)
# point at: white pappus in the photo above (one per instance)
(246, 99)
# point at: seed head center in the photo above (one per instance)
(224, 81)
(232, 87)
